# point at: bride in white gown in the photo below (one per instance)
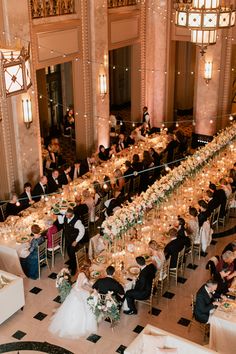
(74, 317)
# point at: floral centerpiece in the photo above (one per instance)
(104, 306)
(63, 283)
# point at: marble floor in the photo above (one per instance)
(27, 330)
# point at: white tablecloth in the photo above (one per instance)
(9, 259)
(223, 332)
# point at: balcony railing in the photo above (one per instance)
(119, 3)
(48, 8)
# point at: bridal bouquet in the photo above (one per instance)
(104, 306)
(63, 283)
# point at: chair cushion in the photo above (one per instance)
(54, 249)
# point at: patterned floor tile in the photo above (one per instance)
(35, 290)
(19, 335)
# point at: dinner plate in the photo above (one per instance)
(134, 270)
(22, 239)
(94, 274)
(72, 204)
(56, 211)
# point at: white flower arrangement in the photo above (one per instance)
(132, 212)
(63, 283)
(104, 306)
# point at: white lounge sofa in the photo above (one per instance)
(151, 337)
(12, 297)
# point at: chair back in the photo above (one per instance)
(3, 212)
(98, 209)
(215, 216)
(136, 184)
(80, 256)
(85, 220)
(126, 188)
(57, 239)
(180, 259)
(42, 252)
(164, 272)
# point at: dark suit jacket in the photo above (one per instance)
(38, 191)
(203, 305)
(144, 282)
(109, 284)
(52, 185)
(172, 249)
(62, 179)
(84, 167)
(24, 201)
(219, 198)
(80, 210)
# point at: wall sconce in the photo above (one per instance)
(15, 68)
(102, 85)
(208, 71)
(27, 112)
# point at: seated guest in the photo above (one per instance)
(103, 153)
(89, 201)
(87, 164)
(193, 225)
(107, 187)
(181, 233)
(112, 151)
(97, 244)
(130, 140)
(75, 171)
(157, 161)
(231, 247)
(157, 254)
(225, 271)
(171, 148)
(112, 205)
(108, 283)
(144, 129)
(219, 198)
(65, 177)
(226, 187)
(121, 145)
(13, 206)
(205, 301)
(232, 174)
(148, 165)
(26, 197)
(99, 194)
(30, 263)
(137, 164)
(52, 229)
(81, 209)
(40, 189)
(203, 213)
(210, 201)
(53, 183)
(143, 286)
(119, 182)
(173, 247)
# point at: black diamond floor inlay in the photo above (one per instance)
(213, 242)
(53, 276)
(204, 254)
(35, 290)
(155, 311)
(57, 299)
(121, 349)
(93, 338)
(192, 266)
(181, 280)
(18, 335)
(40, 316)
(168, 295)
(138, 329)
(183, 322)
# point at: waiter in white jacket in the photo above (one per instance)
(73, 232)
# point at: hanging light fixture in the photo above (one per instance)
(15, 69)
(204, 18)
(102, 85)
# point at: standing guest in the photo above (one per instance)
(108, 283)
(69, 122)
(143, 286)
(146, 116)
(26, 198)
(219, 198)
(137, 164)
(172, 248)
(73, 231)
(103, 153)
(30, 263)
(205, 302)
(53, 182)
(121, 145)
(40, 189)
(81, 209)
(13, 206)
(65, 177)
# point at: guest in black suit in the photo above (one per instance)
(143, 285)
(26, 198)
(13, 206)
(137, 164)
(106, 284)
(75, 171)
(40, 189)
(53, 182)
(157, 161)
(86, 165)
(205, 302)
(172, 248)
(65, 177)
(219, 198)
(204, 213)
(181, 233)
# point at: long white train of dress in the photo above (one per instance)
(74, 318)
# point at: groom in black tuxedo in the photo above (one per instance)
(106, 284)
(143, 285)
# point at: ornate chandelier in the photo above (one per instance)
(203, 18)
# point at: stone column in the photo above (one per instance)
(99, 66)
(21, 146)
